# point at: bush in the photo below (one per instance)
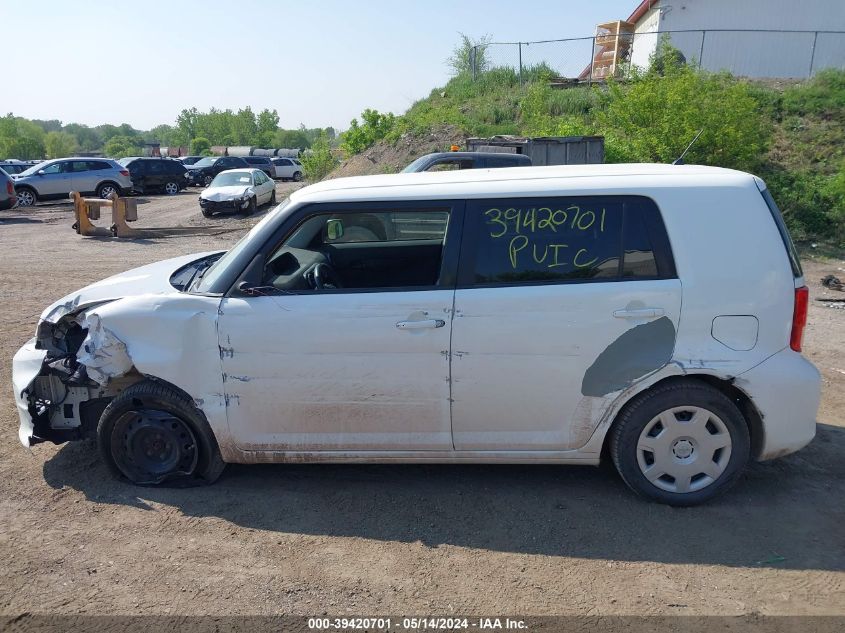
(656, 116)
(375, 127)
(200, 145)
(823, 95)
(318, 161)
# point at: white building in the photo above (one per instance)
(753, 38)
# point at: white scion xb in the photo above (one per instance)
(650, 313)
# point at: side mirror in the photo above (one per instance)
(40, 172)
(334, 229)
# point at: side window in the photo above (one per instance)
(389, 226)
(260, 178)
(155, 167)
(98, 165)
(358, 250)
(56, 168)
(559, 240)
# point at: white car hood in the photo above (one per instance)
(150, 279)
(224, 194)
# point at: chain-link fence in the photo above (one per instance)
(750, 53)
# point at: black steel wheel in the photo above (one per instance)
(152, 433)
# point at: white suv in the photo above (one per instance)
(652, 314)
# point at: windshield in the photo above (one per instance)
(216, 270)
(231, 179)
(35, 168)
(208, 161)
(415, 166)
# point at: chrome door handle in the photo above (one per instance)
(419, 325)
(640, 313)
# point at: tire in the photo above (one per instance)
(272, 202)
(107, 189)
(26, 197)
(297, 176)
(149, 417)
(250, 208)
(171, 188)
(206, 180)
(664, 436)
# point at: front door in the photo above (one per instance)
(562, 303)
(328, 357)
(56, 179)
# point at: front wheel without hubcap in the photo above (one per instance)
(681, 443)
(151, 433)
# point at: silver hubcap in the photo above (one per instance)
(107, 191)
(684, 449)
(25, 199)
(171, 188)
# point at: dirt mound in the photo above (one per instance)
(388, 158)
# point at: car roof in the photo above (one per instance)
(250, 170)
(521, 157)
(511, 181)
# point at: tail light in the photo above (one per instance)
(10, 188)
(124, 172)
(799, 317)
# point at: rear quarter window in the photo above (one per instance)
(788, 244)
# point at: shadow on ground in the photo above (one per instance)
(787, 513)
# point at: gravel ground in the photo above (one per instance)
(374, 539)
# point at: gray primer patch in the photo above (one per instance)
(639, 351)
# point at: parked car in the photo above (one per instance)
(156, 174)
(237, 191)
(466, 160)
(14, 167)
(203, 171)
(261, 162)
(546, 314)
(189, 160)
(57, 178)
(287, 169)
(8, 199)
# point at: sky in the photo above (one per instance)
(317, 62)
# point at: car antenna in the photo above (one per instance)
(680, 159)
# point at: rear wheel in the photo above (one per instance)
(207, 180)
(26, 197)
(107, 189)
(171, 188)
(151, 433)
(681, 443)
(297, 176)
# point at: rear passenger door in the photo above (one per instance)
(561, 303)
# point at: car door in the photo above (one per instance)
(86, 175)
(265, 187)
(55, 179)
(561, 303)
(138, 173)
(362, 367)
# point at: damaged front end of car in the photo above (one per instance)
(65, 376)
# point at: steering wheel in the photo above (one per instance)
(325, 277)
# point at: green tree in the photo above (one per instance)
(20, 138)
(186, 125)
(375, 127)
(200, 145)
(319, 160)
(290, 139)
(122, 146)
(470, 55)
(59, 144)
(267, 124)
